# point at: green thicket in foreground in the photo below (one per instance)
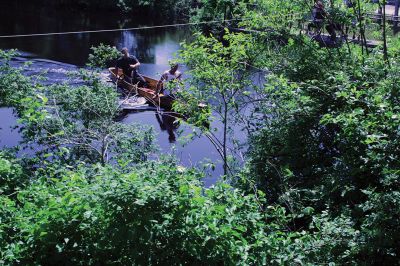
(321, 178)
(154, 213)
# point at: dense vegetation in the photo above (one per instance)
(319, 180)
(166, 8)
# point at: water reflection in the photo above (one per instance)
(154, 46)
(128, 40)
(168, 122)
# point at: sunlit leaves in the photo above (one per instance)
(102, 56)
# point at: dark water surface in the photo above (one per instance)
(59, 54)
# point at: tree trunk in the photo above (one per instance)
(396, 13)
(360, 19)
(385, 52)
(225, 138)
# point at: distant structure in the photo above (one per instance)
(391, 10)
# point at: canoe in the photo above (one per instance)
(149, 93)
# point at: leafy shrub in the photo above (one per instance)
(155, 213)
(13, 176)
(102, 56)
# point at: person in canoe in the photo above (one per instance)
(129, 65)
(170, 75)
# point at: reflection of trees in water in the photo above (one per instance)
(74, 48)
(147, 40)
(145, 49)
(168, 122)
(143, 43)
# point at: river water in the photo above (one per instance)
(59, 54)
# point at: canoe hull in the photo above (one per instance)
(149, 93)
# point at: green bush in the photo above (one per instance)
(13, 176)
(155, 213)
(330, 138)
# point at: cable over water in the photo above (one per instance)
(115, 30)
